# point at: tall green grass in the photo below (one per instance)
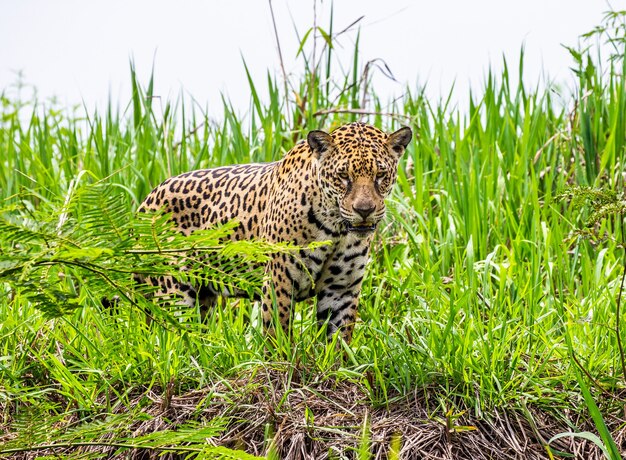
(476, 284)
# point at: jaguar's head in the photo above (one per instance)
(357, 167)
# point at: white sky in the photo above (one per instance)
(79, 50)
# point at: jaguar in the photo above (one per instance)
(330, 187)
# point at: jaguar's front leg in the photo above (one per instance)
(277, 298)
(337, 305)
(339, 288)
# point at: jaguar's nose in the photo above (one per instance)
(364, 208)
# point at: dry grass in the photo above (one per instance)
(325, 418)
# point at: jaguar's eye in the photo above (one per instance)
(343, 175)
(381, 174)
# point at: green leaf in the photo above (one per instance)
(327, 38)
(584, 435)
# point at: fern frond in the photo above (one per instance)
(187, 438)
(89, 246)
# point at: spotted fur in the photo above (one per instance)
(329, 187)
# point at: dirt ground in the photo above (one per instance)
(325, 419)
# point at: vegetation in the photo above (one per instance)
(491, 315)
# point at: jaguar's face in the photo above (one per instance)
(357, 168)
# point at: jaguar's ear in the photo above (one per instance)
(320, 142)
(399, 140)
